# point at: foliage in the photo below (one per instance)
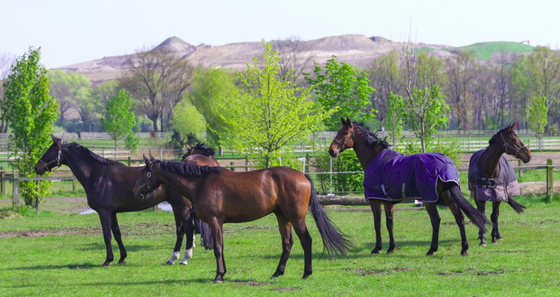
(385, 79)
(211, 94)
(271, 114)
(394, 117)
(444, 146)
(31, 112)
(73, 91)
(543, 71)
(118, 118)
(537, 114)
(187, 120)
(347, 161)
(425, 113)
(340, 90)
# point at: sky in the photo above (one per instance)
(75, 31)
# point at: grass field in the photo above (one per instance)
(55, 254)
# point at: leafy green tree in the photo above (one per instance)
(118, 118)
(394, 117)
(340, 89)
(211, 93)
(384, 78)
(73, 91)
(425, 113)
(187, 120)
(272, 113)
(31, 112)
(543, 70)
(537, 115)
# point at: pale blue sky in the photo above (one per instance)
(74, 31)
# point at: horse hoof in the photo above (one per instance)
(169, 263)
(482, 244)
(184, 263)
(218, 281)
(389, 252)
(106, 264)
(494, 241)
(122, 263)
(375, 251)
(464, 253)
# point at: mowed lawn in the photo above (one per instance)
(61, 255)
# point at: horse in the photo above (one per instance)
(108, 185)
(201, 155)
(415, 179)
(491, 177)
(224, 196)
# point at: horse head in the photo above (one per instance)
(51, 158)
(511, 144)
(344, 138)
(146, 184)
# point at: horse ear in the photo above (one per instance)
(510, 128)
(343, 121)
(58, 142)
(349, 122)
(146, 159)
(152, 157)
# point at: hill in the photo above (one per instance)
(356, 50)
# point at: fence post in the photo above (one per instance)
(246, 163)
(37, 197)
(15, 191)
(3, 182)
(519, 164)
(128, 158)
(549, 180)
(231, 164)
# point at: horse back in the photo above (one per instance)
(247, 196)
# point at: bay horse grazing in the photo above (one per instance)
(224, 196)
(389, 177)
(108, 185)
(491, 177)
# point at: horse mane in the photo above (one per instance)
(371, 137)
(187, 169)
(207, 151)
(80, 148)
(495, 136)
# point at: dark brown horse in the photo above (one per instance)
(223, 196)
(368, 146)
(108, 185)
(201, 155)
(491, 177)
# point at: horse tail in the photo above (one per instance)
(515, 205)
(479, 219)
(206, 234)
(334, 241)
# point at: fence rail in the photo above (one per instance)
(325, 199)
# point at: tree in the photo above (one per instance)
(461, 72)
(118, 118)
(73, 91)
(341, 90)
(211, 93)
(6, 61)
(272, 113)
(394, 117)
(187, 120)
(543, 70)
(31, 112)
(385, 79)
(157, 79)
(537, 115)
(295, 57)
(425, 113)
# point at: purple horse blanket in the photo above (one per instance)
(393, 176)
(499, 188)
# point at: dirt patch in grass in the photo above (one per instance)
(286, 289)
(50, 232)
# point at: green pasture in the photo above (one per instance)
(55, 254)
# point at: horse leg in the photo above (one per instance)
(460, 220)
(180, 215)
(105, 219)
(481, 206)
(285, 228)
(431, 208)
(217, 233)
(188, 229)
(389, 221)
(306, 242)
(375, 206)
(117, 234)
(494, 218)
